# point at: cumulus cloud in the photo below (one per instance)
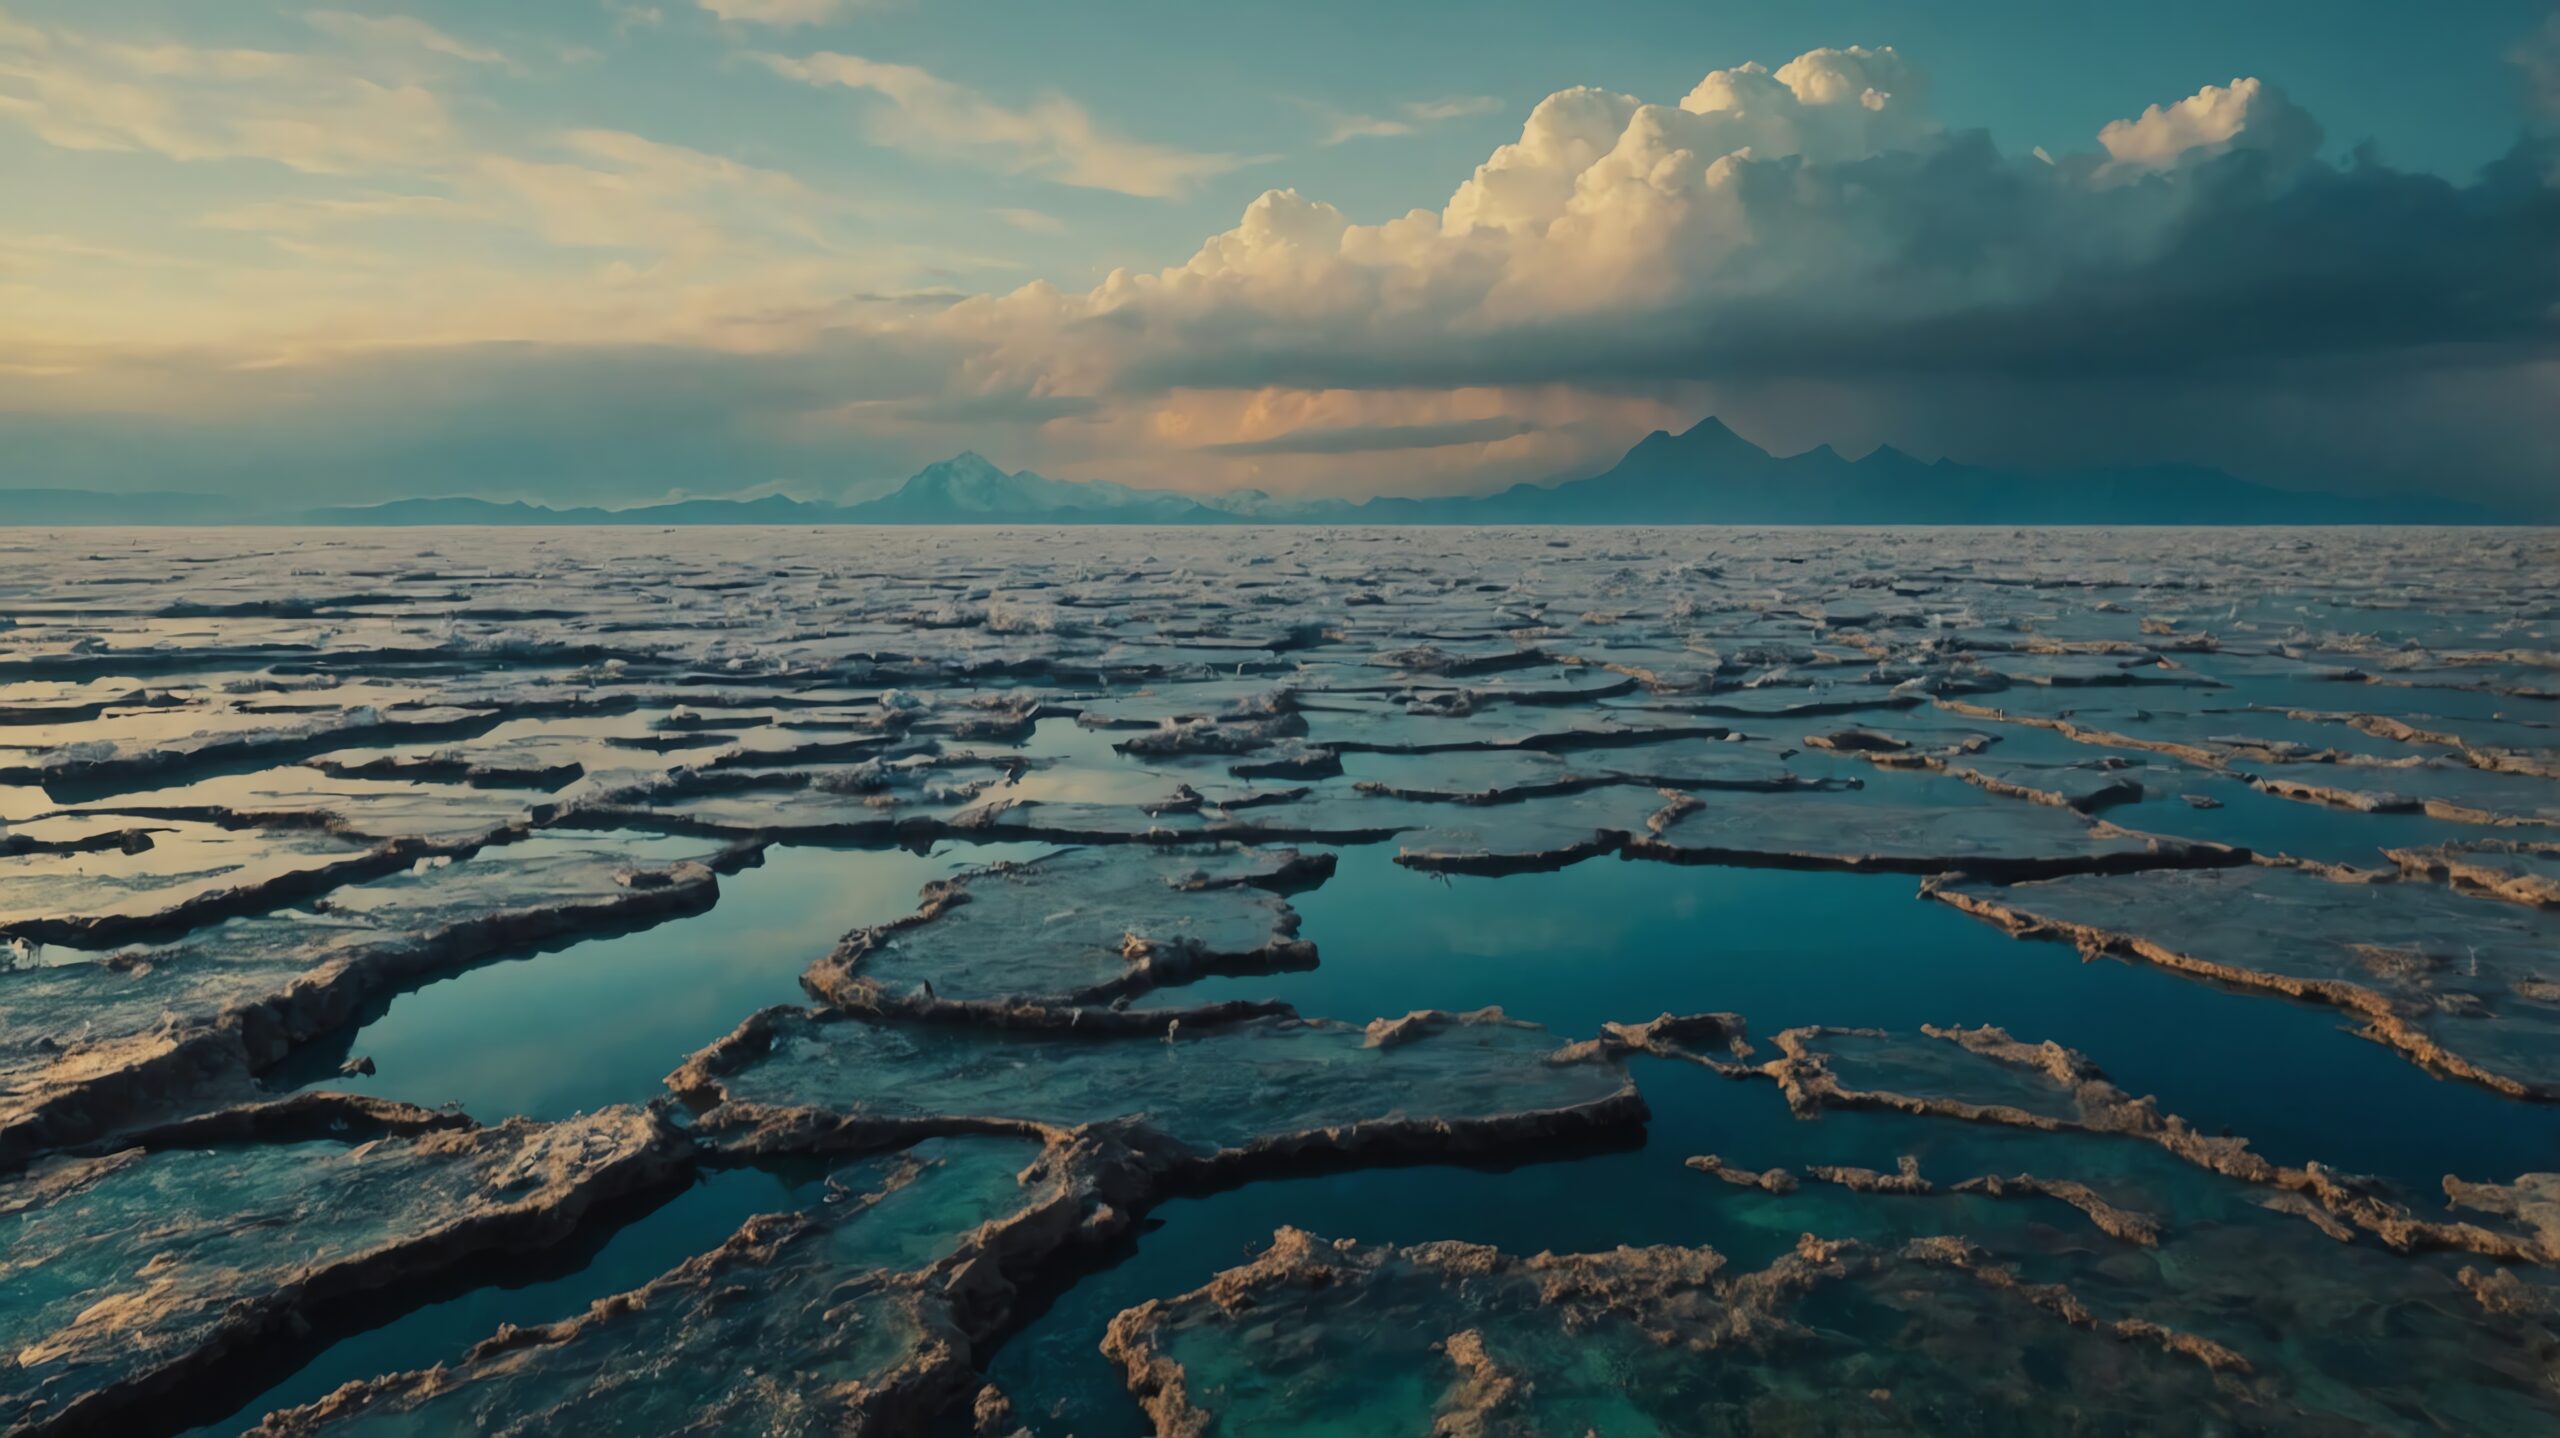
(1817, 219)
(1051, 136)
(2212, 122)
(1817, 226)
(1807, 248)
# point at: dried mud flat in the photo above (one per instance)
(265, 792)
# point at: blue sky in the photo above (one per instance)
(613, 250)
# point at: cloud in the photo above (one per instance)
(999, 408)
(1051, 136)
(2537, 57)
(615, 190)
(2211, 123)
(1036, 222)
(401, 31)
(784, 13)
(185, 102)
(1377, 438)
(1411, 117)
(1815, 226)
(1818, 220)
(1807, 249)
(305, 216)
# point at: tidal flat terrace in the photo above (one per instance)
(1248, 981)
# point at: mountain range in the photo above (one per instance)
(1706, 475)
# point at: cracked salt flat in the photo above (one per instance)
(507, 829)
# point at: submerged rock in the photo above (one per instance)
(1459, 1338)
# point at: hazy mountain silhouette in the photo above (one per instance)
(1707, 475)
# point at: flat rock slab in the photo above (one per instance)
(1084, 926)
(91, 1040)
(1889, 829)
(133, 1273)
(2465, 987)
(1428, 1083)
(1319, 1336)
(842, 1316)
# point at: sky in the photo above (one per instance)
(607, 251)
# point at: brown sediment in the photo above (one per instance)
(2115, 1222)
(1474, 1404)
(2469, 869)
(1767, 1180)
(1888, 752)
(2532, 1200)
(2330, 1200)
(2493, 758)
(2198, 754)
(2367, 802)
(1672, 1299)
(2062, 1303)
(1905, 1179)
(1422, 1023)
(2386, 1020)
(2502, 1294)
(1671, 1036)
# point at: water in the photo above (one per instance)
(638, 1241)
(584, 1024)
(1608, 939)
(602, 1022)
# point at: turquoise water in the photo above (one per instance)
(1609, 939)
(602, 1022)
(641, 1239)
(1173, 623)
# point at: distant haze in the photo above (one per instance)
(1705, 475)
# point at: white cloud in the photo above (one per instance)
(307, 112)
(308, 216)
(1814, 224)
(1409, 118)
(780, 12)
(402, 32)
(1035, 222)
(2214, 121)
(1051, 136)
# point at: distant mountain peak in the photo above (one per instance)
(1706, 474)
